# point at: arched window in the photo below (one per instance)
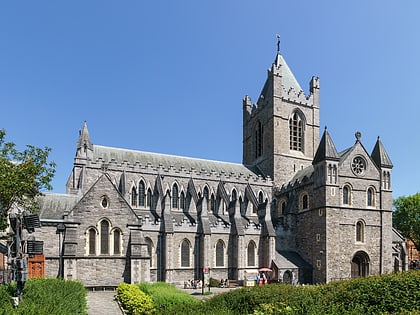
(259, 139)
(234, 196)
(206, 196)
(104, 237)
(212, 203)
(360, 231)
(370, 197)
(185, 253)
(142, 194)
(346, 195)
(386, 180)
(182, 201)
(283, 207)
(134, 196)
(296, 132)
(92, 242)
(149, 249)
(175, 197)
(117, 242)
(149, 198)
(305, 201)
(251, 254)
(220, 255)
(260, 197)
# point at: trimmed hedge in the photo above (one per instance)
(390, 294)
(166, 296)
(134, 300)
(45, 297)
(53, 296)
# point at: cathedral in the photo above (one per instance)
(296, 205)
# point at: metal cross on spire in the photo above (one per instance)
(278, 43)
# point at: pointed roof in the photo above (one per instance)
(84, 138)
(380, 156)
(326, 149)
(289, 80)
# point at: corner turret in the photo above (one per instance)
(84, 145)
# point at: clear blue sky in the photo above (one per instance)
(169, 76)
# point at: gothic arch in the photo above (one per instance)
(360, 264)
(185, 253)
(297, 123)
(150, 250)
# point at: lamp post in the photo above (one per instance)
(61, 228)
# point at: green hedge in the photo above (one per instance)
(45, 297)
(52, 296)
(165, 295)
(6, 305)
(134, 300)
(390, 294)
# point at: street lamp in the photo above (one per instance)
(61, 228)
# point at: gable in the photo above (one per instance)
(103, 200)
(355, 162)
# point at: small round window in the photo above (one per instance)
(358, 165)
(104, 202)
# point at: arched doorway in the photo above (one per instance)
(360, 265)
(287, 277)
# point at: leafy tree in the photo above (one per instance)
(23, 177)
(406, 217)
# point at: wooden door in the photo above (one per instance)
(36, 267)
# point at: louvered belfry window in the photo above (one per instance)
(296, 133)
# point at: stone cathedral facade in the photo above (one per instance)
(296, 205)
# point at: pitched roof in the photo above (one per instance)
(108, 154)
(53, 206)
(380, 156)
(326, 149)
(289, 80)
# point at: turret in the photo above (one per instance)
(84, 145)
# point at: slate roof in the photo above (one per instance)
(289, 260)
(380, 156)
(289, 80)
(326, 149)
(53, 206)
(108, 154)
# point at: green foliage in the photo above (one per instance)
(165, 296)
(406, 217)
(6, 305)
(53, 297)
(390, 294)
(134, 300)
(214, 283)
(23, 175)
(45, 297)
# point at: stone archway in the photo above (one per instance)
(288, 277)
(360, 265)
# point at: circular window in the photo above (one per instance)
(358, 166)
(104, 202)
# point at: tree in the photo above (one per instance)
(406, 217)
(23, 177)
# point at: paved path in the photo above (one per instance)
(102, 303)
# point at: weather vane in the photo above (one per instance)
(278, 42)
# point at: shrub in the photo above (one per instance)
(165, 295)
(134, 300)
(53, 296)
(389, 294)
(214, 283)
(6, 304)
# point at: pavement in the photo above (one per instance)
(102, 303)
